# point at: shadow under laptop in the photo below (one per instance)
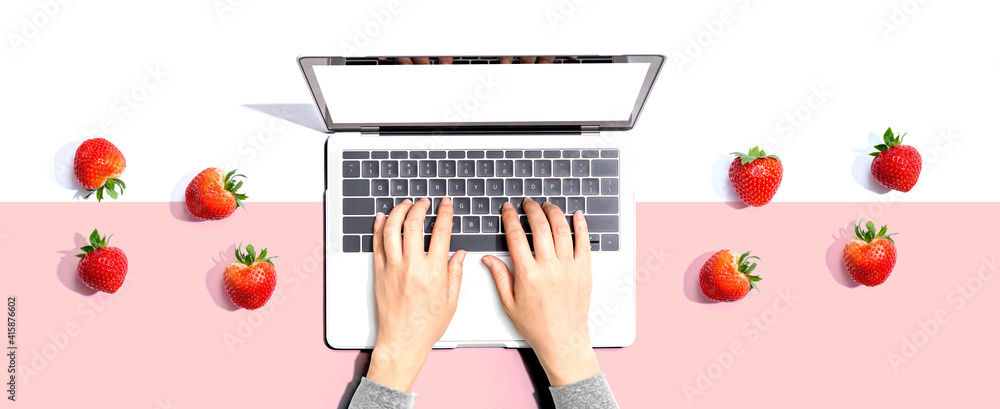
(302, 114)
(361, 364)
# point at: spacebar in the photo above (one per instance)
(479, 242)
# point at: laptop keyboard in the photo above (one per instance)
(479, 182)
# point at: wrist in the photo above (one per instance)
(569, 366)
(396, 367)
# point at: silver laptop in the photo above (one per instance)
(482, 130)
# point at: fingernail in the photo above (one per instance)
(446, 201)
(507, 206)
(528, 199)
(379, 216)
(461, 257)
(406, 201)
(487, 261)
(424, 199)
(578, 215)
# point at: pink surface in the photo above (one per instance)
(170, 338)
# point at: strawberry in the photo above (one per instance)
(755, 176)
(250, 280)
(871, 256)
(102, 267)
(896, 166)
(97, 166)
(726, 278)
(213, 195)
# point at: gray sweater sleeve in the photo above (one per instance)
(590, 393)
(373, 395)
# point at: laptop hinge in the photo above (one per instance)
(590, 130)
(369, 130)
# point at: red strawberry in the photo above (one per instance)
(102, 267)
(97, 166)
(250, 280)
(870, 257)
(896, 166)
(726, 278)
(213, 195)
(755, 176)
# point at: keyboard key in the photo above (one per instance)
(476, 187)
(380, 155)
(358, 224)
(591, 186)
(470, 224)
(604, 167)
(354, 155)
(505, 168)
(352, 169)
(491, 224)
(435, 204)
(496, 203)
(456, 187)
(418, 187)
(600, 223)
(514, 187)
(481, 205)
(514, 154)
(398, 200)
(446, 168)
(532, 186)
(479, 243)
(571, 154)
(466, 168)
(456, 224)
(609, 153)
(366, 243)
(543, 168)
(476, 154)
(461, 205)
(609, 242)
(484, 168)
(352, 244)
(494, 187)
(437, 187)
(428, 168)
(595, 242)
(590, 153)
(602, 205)
(494, 154)
(552, 187)
(418, 155)
(384, 205)
(538, 199)
(369, 169)
(408, 168)
(561, 168)
(559, 202)
(362, 206)
(437, 154)
(518, 203)
(522, 168)
(456, 154)
(609, 186)
(525, 224)
(390, 168)
(380, 187)
(581, 167)
(571, 187)
(398, 187)
(550, 154)
(532, 154)
(397, 155)
(575, 203)
(356, 188)
(429, 224)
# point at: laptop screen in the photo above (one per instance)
(479, 91)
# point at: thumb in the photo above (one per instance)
(455, 273)
(502, 278)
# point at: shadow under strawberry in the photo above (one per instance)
(214, 279)
(862, 167)
(62, 165)
(66, 270)
(720, 180)
(178, 208)
(692, 285)
(835, 258)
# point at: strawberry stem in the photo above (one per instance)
(870, 234)
(745, 267)
(96, 241)
(233, 186)
(249, 257)
(890, 139)
(109, 187)
(754, 154)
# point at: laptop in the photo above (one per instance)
(482, 130)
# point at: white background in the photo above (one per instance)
(736, 70)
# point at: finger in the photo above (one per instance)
(541, 234)
(392, 230)
(527, 60)
(517, 242)
(441, 235)
(445, 60)
(562, 236)
(503, 279)
(377, 247)
(455, 274)
(422, 60)
(582, 238)
(546, 60)
(404, 61)
(506, 60)
(413, 229)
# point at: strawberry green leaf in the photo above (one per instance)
(887, 137)
(112, 193)
(263, 254)
(100, 193)
(251, 253)
(95, 238)
(881, 147)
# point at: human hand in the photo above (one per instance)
(548, 296)
(416, 293)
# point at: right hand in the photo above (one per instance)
(548, 295)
